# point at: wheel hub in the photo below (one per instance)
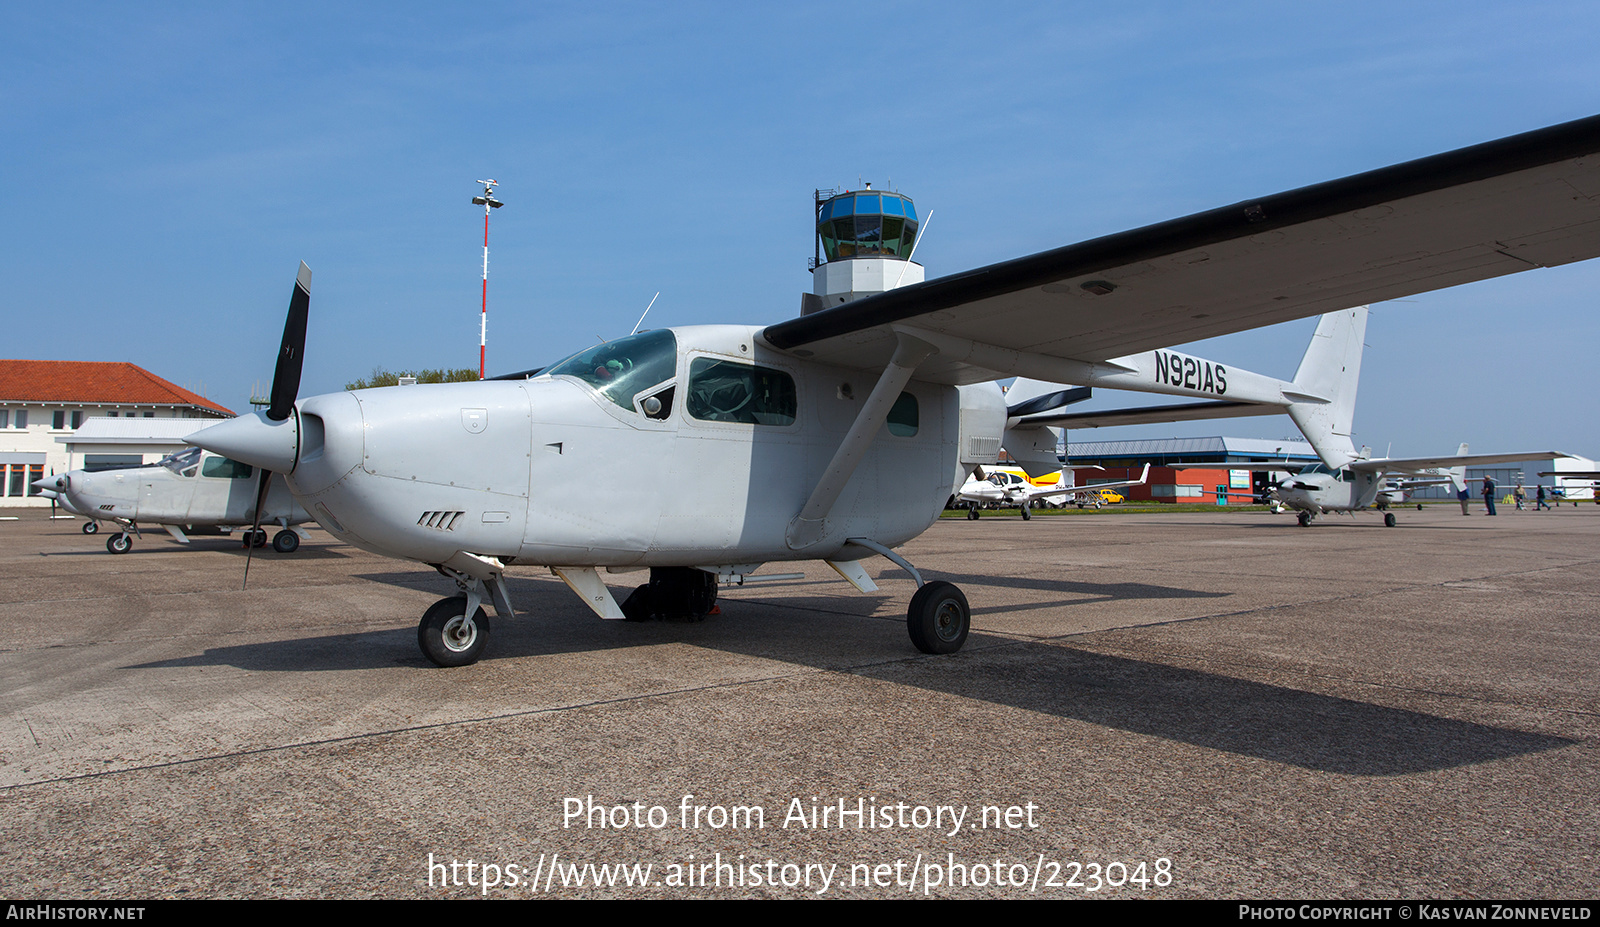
(947, 621)
(459, 633)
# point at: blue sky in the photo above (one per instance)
(164, 167)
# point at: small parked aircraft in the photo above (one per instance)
(182, 492)
(1000, 487)
(731, 446)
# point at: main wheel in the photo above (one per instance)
(448, 637)
(119, 543)
(972, 514)
(286, 542)
(638, 606)
(938, 618)
(1388, 519)
(259, 538)
(91, 527)
(1305, 519)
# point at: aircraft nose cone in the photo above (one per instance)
(52, 484)
(253, 439)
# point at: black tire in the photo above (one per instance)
(119, 543)
(259, 538)
(1388, 519)
(972, 514)
(939, 618)
(286, 542)
(449, 640)
(636, 607)
(91, 527)
(1305, 519)
(1026, 514)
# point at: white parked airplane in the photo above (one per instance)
(731, 446)
(188, 490)
(1002, 488)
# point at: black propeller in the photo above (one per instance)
(285, 388)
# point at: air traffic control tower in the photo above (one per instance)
(864, 244)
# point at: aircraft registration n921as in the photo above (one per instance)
(839, 435)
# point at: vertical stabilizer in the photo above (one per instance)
(1458, 475)
(1324, 396)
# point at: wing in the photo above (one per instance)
(1527, 201)
(1093, 487)
(1413, 464)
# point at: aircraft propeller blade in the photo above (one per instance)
(291, 353)
(250, 539)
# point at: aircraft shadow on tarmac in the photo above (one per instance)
(1204, 709)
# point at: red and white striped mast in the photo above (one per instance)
(488, 202)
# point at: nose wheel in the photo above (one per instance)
(1388, 519)
(119, 543)
(449, 636)
(91, 527)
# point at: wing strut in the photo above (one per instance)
(810, 525)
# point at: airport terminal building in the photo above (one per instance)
(57, 416)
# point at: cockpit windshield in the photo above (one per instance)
(621, 369)
(181, 461)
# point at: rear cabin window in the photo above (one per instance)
(728, 391)
(903, 416)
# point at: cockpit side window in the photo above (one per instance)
(730, 391)
(622, 369)
(224, 469)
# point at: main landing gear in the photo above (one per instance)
(285, 541)
(119, 543)
(672, 594)
(939, 618)
(1305, 519)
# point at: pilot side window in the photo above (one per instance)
(224, 469)
(728, 391)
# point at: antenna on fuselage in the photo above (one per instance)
(645, 313)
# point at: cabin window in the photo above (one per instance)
(903, 416)
(729, 391)
(624, 368)
(224, 469)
